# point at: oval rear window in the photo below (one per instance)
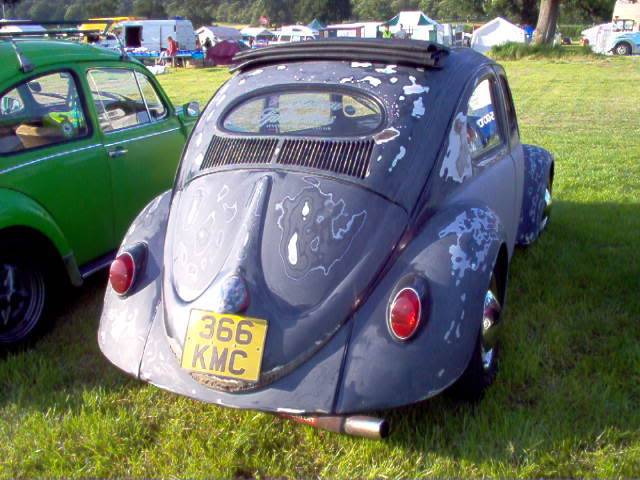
(315, 114)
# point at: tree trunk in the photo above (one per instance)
(547, 20)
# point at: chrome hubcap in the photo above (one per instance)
(490, 323)
(546, 213)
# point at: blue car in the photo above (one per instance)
(338, 238)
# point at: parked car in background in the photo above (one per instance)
(338, 238)
(87, 138)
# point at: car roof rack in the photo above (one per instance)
(414, 53)
(58, 32)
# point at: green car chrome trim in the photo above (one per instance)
(142, 137)
(49, 157)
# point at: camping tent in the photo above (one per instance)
(316, 25)
(217, 33)
(222, 53)
(416, 25)
(497, 32)
(256, 35)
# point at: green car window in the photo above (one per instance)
(155, 105)
(40, 112)
(118, 99)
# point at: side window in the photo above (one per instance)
(483, 132)
(117, 97)
(43, 111)
(157, 109)
(510, 107)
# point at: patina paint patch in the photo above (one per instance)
(414, 88)
(386, 135)
(457, 160)
(317, 230)
(401, 153)
(475, 231)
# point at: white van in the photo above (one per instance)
(152, 34)
(294, 33)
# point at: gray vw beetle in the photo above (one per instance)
(338, 237)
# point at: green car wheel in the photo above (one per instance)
(23, 300)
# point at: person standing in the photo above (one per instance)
(401, 33)
(387, 32)
(172, 50)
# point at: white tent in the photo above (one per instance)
(257, 33)
(216, 34)
(416, 25)
(497, 32)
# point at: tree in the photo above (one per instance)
(373, 9)
(9, 4)
(198, 11)
(149, 8)
(547, 21)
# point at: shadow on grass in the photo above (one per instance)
(569, 351)
(67, 361)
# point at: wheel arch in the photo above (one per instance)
(25, 219)
(623, 42)
(455, 253)
(501, 270)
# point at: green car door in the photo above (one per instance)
(142, 136)
(52, 159)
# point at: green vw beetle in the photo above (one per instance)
(87, 138)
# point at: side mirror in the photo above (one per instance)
(192, 109)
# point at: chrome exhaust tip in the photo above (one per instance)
(367, 427)
(355, 425)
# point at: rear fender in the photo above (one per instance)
(455, 254)
(126, 320)
(18, 210)
(538, 164)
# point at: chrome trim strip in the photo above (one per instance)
(49, 157)
(142, 137)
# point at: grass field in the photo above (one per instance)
(566, 399)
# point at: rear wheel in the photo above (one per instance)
(24, 298)
(483, 366)
(622, 49)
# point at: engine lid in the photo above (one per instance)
(306, 249)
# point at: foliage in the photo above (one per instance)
(565, 403)
(517, 51)
(202, 12)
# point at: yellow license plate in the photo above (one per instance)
(224, 345)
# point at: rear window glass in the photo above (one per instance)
(317, 114)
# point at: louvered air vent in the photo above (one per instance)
(350, 157)
(345, 157)
(232, 151)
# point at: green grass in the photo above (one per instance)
(566, 399)
(518, 51)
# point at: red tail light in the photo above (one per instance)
(122, 273)
(404, 314)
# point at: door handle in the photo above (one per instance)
(118, 152)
